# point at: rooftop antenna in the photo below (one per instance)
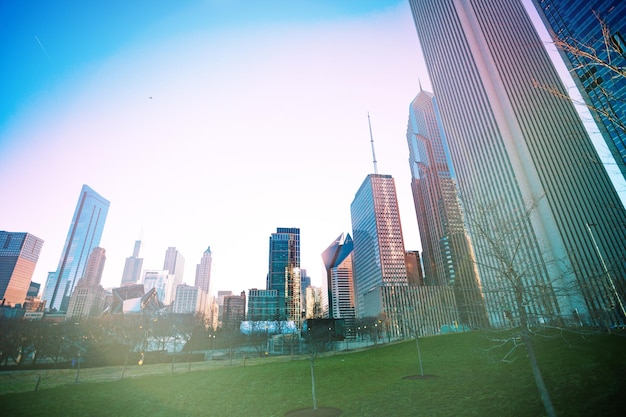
(372, 142)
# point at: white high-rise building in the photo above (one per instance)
(203, 281)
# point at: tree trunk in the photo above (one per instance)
(313, 383)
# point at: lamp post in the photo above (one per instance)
(606, 270)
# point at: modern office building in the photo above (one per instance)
(378, 257)
(162, 282)
(414, 273)
(132, 267)
(203, 281)
(538, 210)
(84, 234)
(263, 305)
(338, 286)
(578, 22)
(19, 253)
(88, 298)
(175, 264)
(234, 310)
(284, 272)
(447, 253)
(187, 299)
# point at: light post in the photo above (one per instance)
(606, 270)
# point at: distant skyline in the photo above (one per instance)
(204, 124)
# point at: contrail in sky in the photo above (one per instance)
(42, 48)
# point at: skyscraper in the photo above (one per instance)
(203, 281)
(448, 256)
(378, 258)
(175, 264)
(603, 89)
(84, 235)
(339, 283)
(88, 297)
(284, 272)
(530, 190)
(132, 267)
(19, 253)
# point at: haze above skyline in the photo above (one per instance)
(204, 123)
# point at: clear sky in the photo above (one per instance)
(204, 123)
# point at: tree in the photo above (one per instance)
(317, 338)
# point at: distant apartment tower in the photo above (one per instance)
(526, 170)
(577, 22)
(187, 299)
(284, 272)
(338, 287)
(378, 257)
(175, 264)
(84, 234)
(448, 256)
(19, 253)
(87, 299)
(234, 310)
(132, 267)
(263, 305)
(203, 281)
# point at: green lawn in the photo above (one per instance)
(585, 376)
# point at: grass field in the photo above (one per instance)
(585, 376)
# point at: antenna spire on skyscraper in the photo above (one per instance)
(372, 142)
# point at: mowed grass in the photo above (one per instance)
(584, 374)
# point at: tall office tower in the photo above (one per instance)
(414, 273)
(284, 272)
(175, 264)
(19, 253)
(305, 282)
(203, 281)
(448, 256)
(87, 299)
(531, 193)
(339, 285)
(378, 258)
(84, 235)
(132, 267)
(602, 88)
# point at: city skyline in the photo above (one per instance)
(203, 131)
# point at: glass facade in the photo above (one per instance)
(521, 158)
(84, 235)
(603, 88)
(284, 272)
(19, 253)
(378, 257)
(339, 285)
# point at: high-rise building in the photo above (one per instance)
(175, 264)
(187, 299)
(414, 273)
(234, 310)
(88, 297)
(338, 287)
(162, 282)
(531, 190)
(84, 235)
(263, 305)
(19, 253)
(313, 303)
(448, 256)
(132, 267)
(378, 257)
(577, 22)
(203, 281)
(284, 272)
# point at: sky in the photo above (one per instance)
(205, 123)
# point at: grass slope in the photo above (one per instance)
(584, 376)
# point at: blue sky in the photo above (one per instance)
(205, 123)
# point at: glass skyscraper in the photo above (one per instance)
(338, 287)
(84, 235)
(132, 267)
(284, 272)
(525, 165)
(378, 257)
(19, 253)
(447, 253)
(602, 88)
